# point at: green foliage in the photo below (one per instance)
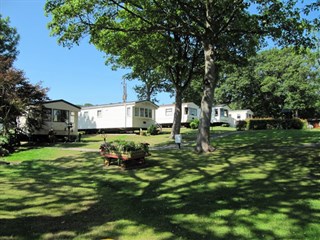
(194, 124)
(8, 143)
(17, 93)
(3, 152)
(221, 30)
(4, 141)
(241, 125)
(9, 39)
(267, 123)
(152, 130)
(272, 81)
(194, 92)
(123, 146)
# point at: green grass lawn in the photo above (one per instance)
(256, 185)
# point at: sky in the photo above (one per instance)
(78, 75)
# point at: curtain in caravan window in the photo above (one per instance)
(223, 112)
(47, 114)
(72, 117)
(60, 115)
(136, 111)
(150, 113)
(141, 112)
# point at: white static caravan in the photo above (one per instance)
(238, 115)
(60, 115)
(165, 114)
(220, 115)
(116, 117)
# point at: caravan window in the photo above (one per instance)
(99, 113)
(193, 111)
(223, 112)
(136, 112)
(72, 117)
(168, 111)
(60, 115)
(141, 112)
(186, 110)
(47, 114)
(216, 113)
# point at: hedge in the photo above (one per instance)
(269, 123)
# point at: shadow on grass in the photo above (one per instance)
(238, 193)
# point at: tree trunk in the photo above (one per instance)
(209, 84)
(177, 114)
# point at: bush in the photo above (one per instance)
(241, 125)
(194, 124)
(123, 146)
(3, 152)
(295, 123)
(152, 130)
(8, 143)
(270, 123)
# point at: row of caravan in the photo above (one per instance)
(220, 114)
(66, 119)
(142, 114)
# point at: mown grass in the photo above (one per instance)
(256, 185)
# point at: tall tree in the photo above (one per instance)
(16, 92)
(227, 30)
(152, 83)
(194, 92)
(274, 80)
(163, 60)
(9, 39)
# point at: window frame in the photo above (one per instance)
(168, 112)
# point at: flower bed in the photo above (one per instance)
(124, 151)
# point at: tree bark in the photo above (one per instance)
(177, 113)
(209, 84)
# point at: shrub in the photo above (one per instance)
(296, 123)
(270, 123)
(194, 124)
(241, 125)
(123, 146)
(8, 144)
(3, 152)
(152, 130)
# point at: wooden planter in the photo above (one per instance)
(124, 158)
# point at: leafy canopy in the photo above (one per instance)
(274, 80)
(17, 94)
